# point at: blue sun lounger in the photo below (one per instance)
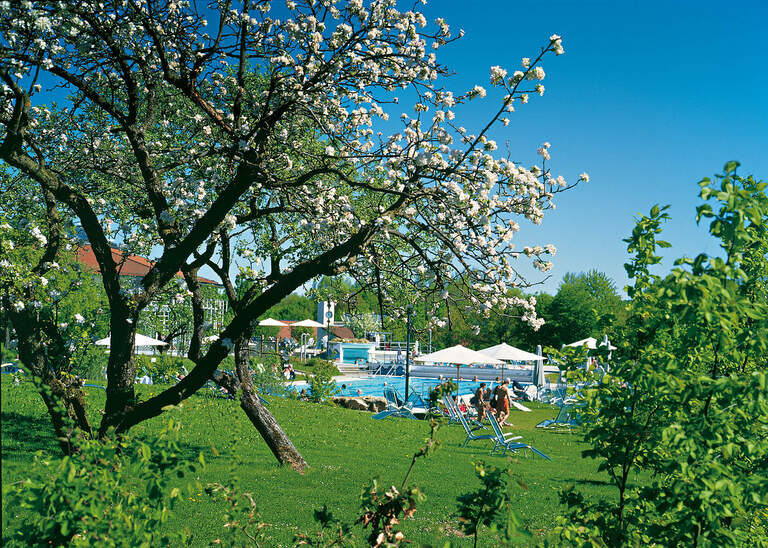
(567, 417)
(454, 412)
(507, 443)
(471, 436)
(396, 407)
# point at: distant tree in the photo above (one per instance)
(293, 307)
(584, 306)
(523, 336)
(360, 324)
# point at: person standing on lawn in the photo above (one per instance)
(480, 402)
(502, 402)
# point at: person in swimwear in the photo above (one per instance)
(502, 402)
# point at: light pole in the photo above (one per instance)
(328, 316)
(409, 311)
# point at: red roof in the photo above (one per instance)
(129, 265)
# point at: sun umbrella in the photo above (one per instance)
(141, 340)
(307, 323)
(458, 355)
(269, 322)
(506, 352)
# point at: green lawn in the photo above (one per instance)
(344, 448)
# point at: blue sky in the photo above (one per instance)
(648, 99)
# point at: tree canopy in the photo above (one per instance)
(277, 149)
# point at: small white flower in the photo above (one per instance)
(39, 236)
(19, 306)
(497, 75)
(79, 318)
(477, 91)
(584, 177)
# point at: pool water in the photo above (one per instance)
(418, 385)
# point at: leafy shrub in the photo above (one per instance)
(112, 493)
(313, 363)
(444, 389)
(321, 382)
(267, 381)
(7, 355)
(686, 399)
(490, 505)
(242, 521)
(164, 368)
(91, 364)
(228, 364)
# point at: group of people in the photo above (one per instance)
(497, 402)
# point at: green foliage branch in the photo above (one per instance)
(686, 399)
(114, 492)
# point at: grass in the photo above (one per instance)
(345, 449)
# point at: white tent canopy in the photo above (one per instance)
(458, 355)
(591, 343)
(307, 323)
(506, 352)
(141, 340)
(269, 322)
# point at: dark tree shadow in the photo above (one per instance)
(25, 434)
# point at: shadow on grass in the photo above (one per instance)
(587, 481)
(25, 434)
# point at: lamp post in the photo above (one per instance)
(409, 311)
(328, 316)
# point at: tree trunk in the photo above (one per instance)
(279, 443)
(63, 396)
(121, 372)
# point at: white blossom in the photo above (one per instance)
(497, 75)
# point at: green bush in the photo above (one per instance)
(321, 382)
(312, 364)
(7, 355)
(228, 364)
(267, 381)
(112, 493)
(162, 368)
(92, 364)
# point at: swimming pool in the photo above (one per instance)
(419, 385)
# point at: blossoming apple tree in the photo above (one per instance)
(267, 142)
